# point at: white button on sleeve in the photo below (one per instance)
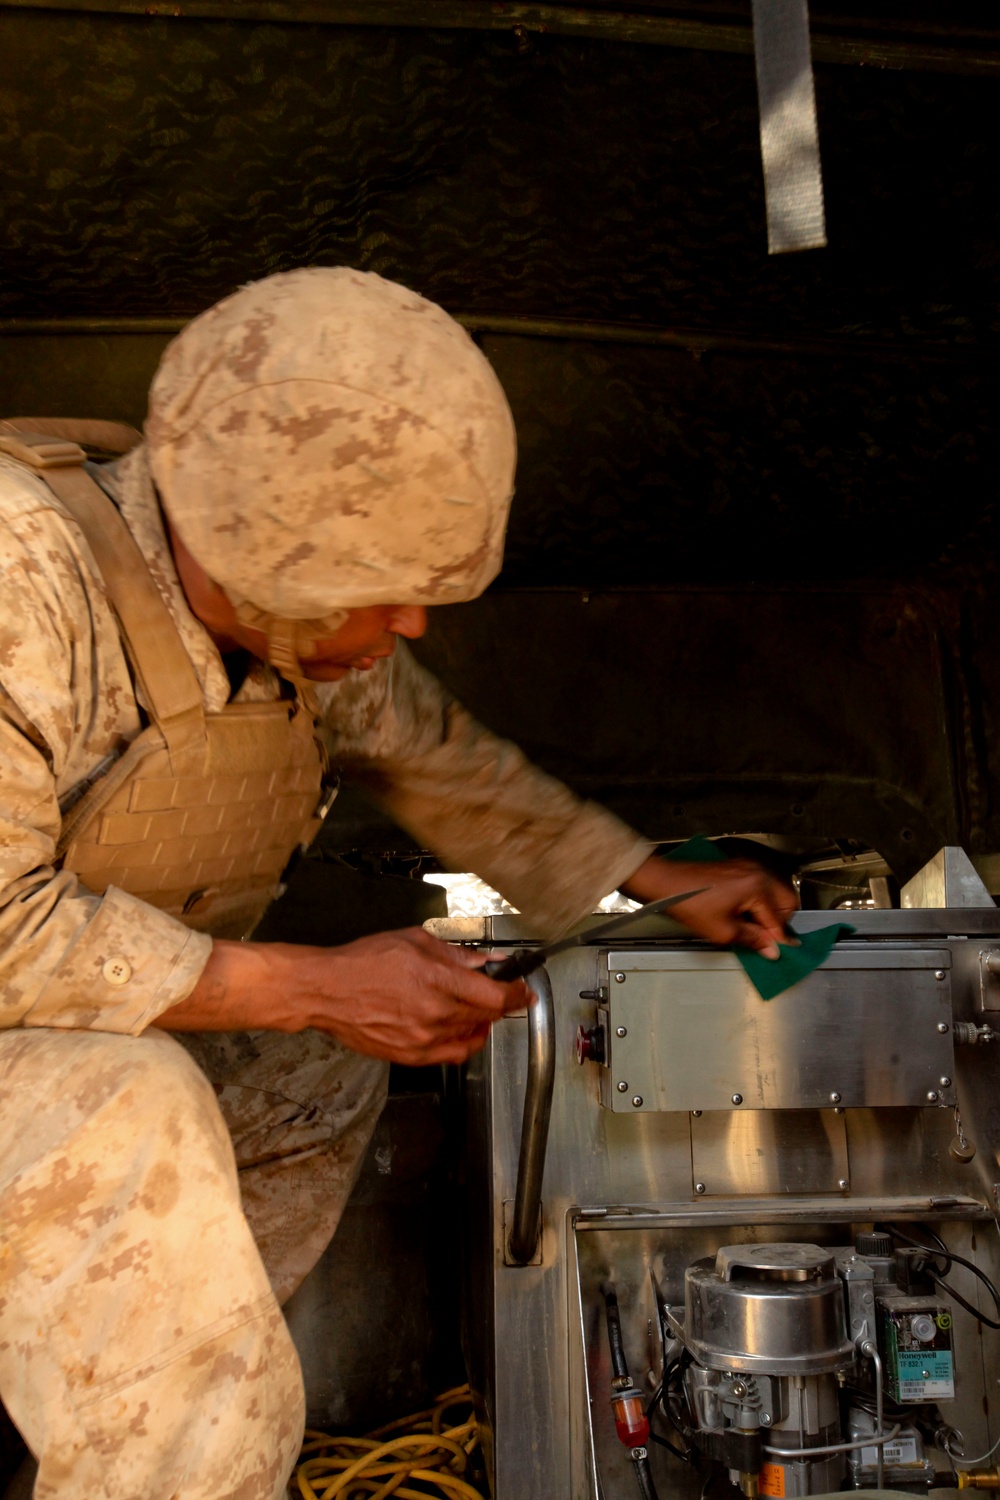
(117, 970)
(128, 964)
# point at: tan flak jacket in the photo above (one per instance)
(71, 957)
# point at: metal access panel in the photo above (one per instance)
(688, 1031)
(769, 1153)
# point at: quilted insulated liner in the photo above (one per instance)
(796, 455)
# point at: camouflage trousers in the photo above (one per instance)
(143, 1353)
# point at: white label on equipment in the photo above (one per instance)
(925, 1375)
(902, 1451)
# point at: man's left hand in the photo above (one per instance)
(742, 905)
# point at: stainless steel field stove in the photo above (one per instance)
(715, 1240)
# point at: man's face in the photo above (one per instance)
(365, 636)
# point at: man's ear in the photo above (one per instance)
(208, 600)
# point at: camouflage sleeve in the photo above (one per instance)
(68, 958)
(63, 950)
(474, 798)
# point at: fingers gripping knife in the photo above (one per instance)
(528, 963)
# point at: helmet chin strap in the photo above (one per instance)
(288, 640)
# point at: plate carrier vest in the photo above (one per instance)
(201, 813)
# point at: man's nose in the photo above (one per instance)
(409, 620)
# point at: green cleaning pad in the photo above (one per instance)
(771, 976)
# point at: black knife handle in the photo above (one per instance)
(522, 961)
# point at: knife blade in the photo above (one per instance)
(524, 961)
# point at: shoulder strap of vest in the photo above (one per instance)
(99, 438)
(169, 682)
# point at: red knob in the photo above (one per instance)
(590, 1044)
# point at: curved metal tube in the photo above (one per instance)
(535, 1121)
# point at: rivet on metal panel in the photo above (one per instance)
(939, 974)
(943, 1027)
(619, 979)
(637, 1101)
(623, 1088)
(931, 1096)
(834, 1097)
(944, 1081)
(621, 1031)
(737, 1098)
(843, 1183)
(699, 1187)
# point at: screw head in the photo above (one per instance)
(623, 1088)
(939, 974)
(765, 1419)
(696, 1113)
(944, 1081)
(619, 979)
(637, 1101)
(699, 1187)
(739, 1388)
(842, 1183)
(839, 1110)
(621, 1031)
(932, 1096)
(835, 1097)
(737, 1098)
(943, 1027)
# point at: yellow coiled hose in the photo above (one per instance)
(425, 1451)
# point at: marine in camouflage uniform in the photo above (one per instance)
(322, 443)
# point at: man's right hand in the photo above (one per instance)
(404, 996)
(415, 1000)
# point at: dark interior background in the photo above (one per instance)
(751, 568)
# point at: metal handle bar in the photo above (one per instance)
(527, 1226)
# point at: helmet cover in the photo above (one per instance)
(324, 440)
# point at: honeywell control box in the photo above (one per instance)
(915, 1335)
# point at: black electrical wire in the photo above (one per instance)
(654, 1437)
(957, 1297)
(926, 1229)
(950, 1256)
(854, 1396)
(674, 1418)
(662, 1442)
(659, 1399)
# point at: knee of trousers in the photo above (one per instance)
(119, 1097)
(123, 1247)
(283, 1095)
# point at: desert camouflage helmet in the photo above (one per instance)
(325, 439)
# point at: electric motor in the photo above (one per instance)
(766, 1327)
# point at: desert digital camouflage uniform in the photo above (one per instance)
(151, 1221)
